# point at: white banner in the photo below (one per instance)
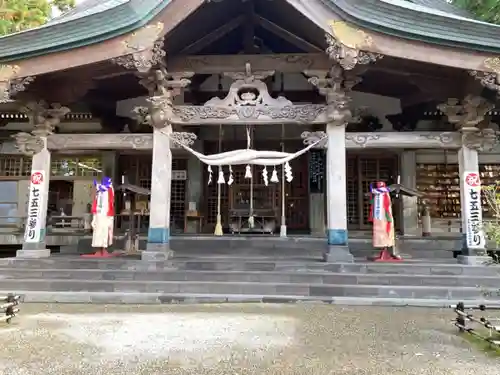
(473, 211)
(33, 223)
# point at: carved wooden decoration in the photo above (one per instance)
(143, 50)
(469, 116)
(482, 140)
(346, 45)
(143, 38)
(469, 113)
(491, 78)
(487, 79)
(493, 63)
(249, 101)
(163, 88)
(44, 118)
(382, 140)
(332, 86)
(10, 86)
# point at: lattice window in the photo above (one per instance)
(297, 197)
(14, 166)
(374, 169)
(352, 192)
(72, 167)
(138, 169)
(178, 204)
(89, 167)
(63, 167)
(26, 167)
(369, 175)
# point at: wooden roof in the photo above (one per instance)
(98, 31)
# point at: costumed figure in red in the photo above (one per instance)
(383, 222)
(103, 211)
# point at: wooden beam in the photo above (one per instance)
(373, 140)
(212, 37)
(287, 35)
(393, 140)
(249, 28)
(215, 64)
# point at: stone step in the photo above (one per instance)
(242, 288)
(361, 254)
(189, 298)
(122, 263)
(229, 244)
(252, 277)
(293, 245)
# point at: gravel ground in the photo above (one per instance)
(236, 340)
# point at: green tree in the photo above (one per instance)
(18, 15)
(484, 10)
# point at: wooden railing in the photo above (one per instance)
(55, 224)
(81, 225)
(9, 307)
(484, 328)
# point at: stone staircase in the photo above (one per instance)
(242, 277)
(361, 247)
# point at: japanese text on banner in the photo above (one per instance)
(473, 211)
(33, 223)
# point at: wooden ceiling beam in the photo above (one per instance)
(409, 73)
(287, 35)
(215, 35)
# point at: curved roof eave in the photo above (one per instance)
(416, 22)
(392, 17)
(83, 31)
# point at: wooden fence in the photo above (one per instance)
(9, 307)
(483, 328)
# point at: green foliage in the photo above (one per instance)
(486, 347)
(484, 10)
(18, 15)
(492, 227)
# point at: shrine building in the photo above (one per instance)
(391, 91)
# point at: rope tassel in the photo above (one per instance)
(221, 179)
(209, 169)
(264, 176)
(288, 172)
(231, 178)
(248, 172)
(274, 175)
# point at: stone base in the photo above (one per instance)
(157, 252)
(339, 254)
(41, 253)
(283, 231)
(474, 260)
